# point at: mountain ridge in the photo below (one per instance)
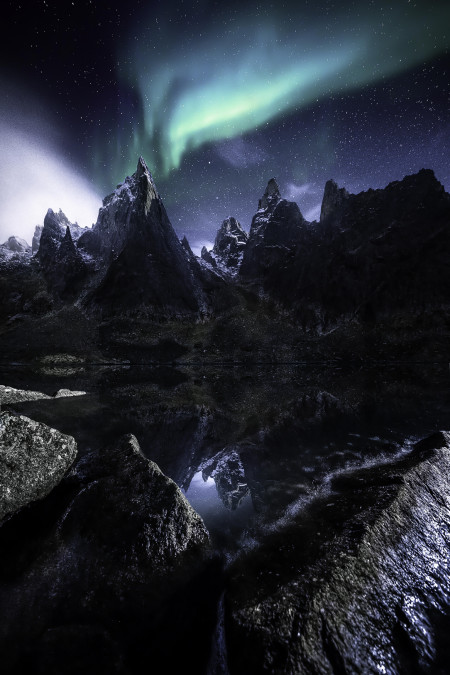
(375, 264)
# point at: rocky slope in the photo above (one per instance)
(143, 263)
(275, 230)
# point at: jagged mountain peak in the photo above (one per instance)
(142, 168)
(333, 199)
(139, 186)
(16, 245)
(143, 263)
(271, 195)
(231, 226)
(229, 243)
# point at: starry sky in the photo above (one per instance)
(218, 98)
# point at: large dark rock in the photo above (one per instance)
(33, 460)
(105, 570)
(348, 585)
(158, 524)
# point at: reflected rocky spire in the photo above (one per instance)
(229, 476)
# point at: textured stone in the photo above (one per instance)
(159, 524)
(33, 460)
(230, 243)
(358, 579)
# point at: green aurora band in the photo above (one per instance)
(237, 75)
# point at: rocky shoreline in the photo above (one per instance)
(113, 556)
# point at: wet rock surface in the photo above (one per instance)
(33, 460)
(351, 584)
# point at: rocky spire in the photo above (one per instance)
(144, 264)
(230, 242)
(333, 201)
(271, 196)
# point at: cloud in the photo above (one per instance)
(294, 191)
(34, 174)
(198, 245)
(240, 153)
(314, 212)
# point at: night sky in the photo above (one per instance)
(218, 98)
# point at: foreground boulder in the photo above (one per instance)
(33, 460)
(348, 587)
(107, 574)
(122, 487)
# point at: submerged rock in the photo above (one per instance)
(348, 587)
(33, 460)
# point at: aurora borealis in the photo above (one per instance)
(219, 98)
(259, 67)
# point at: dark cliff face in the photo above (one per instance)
(275, 229)
(375, 254)
(62, 265)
